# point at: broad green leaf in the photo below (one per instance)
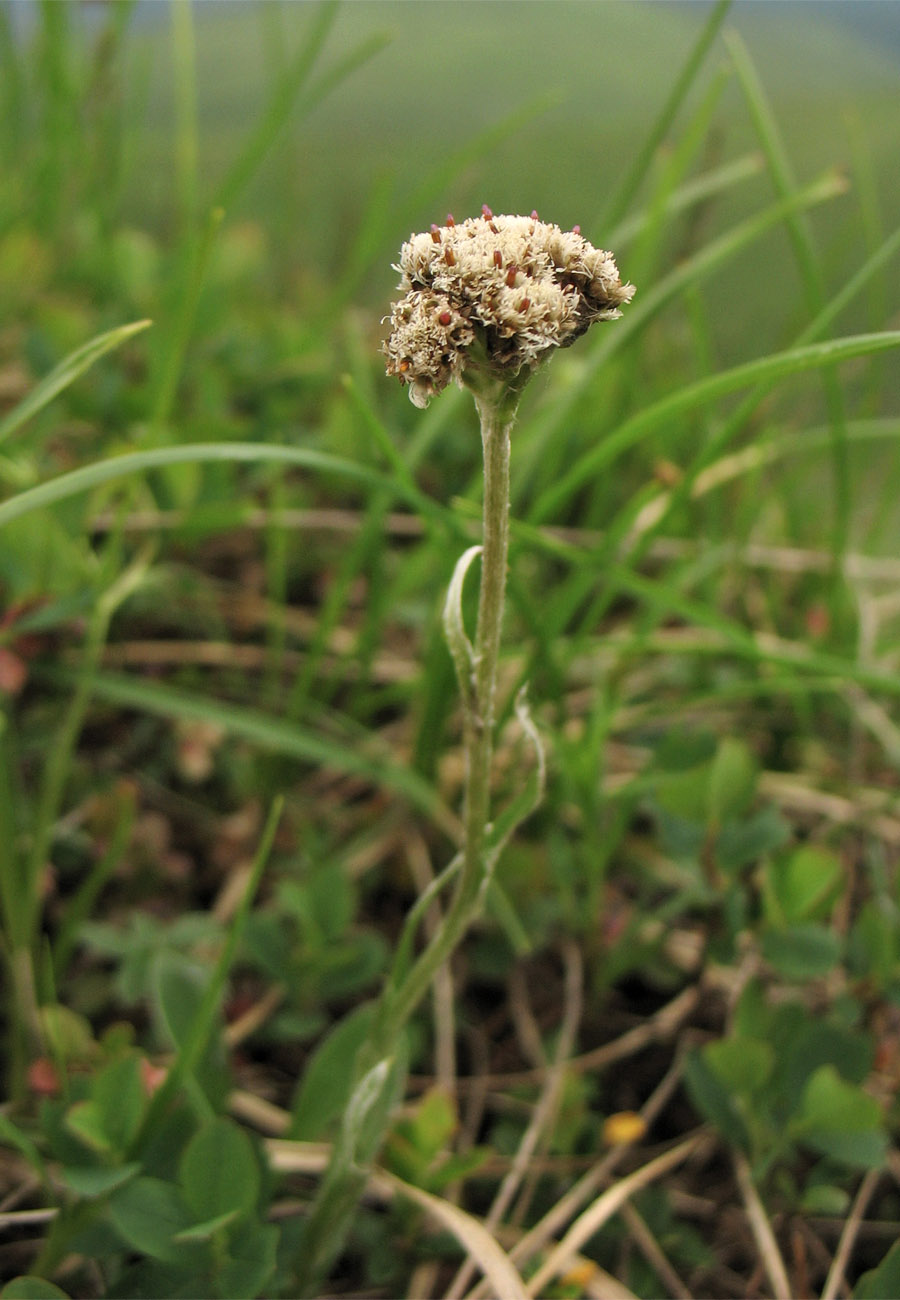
(840, 1120)
(90, 1182)
(419, 1139)
(147, 1214)
(814, 1043)
(209, 1228)
(801, 885)
(874, 943)
(32, 1288)
(824, 1198)
(250, 1261)
(831, 1102)
(862, 1150)
(119, 1095)
(881, 1282)
(68, 1034)
(86, 1121)
(802, 952)
(743, 1065)
(714, 1100)
(219, 1171)
(685, 794)
(740, 843)
(327, 1079)
(180, 1002)
(732, 781)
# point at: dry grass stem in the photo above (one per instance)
(526, 1028)
(546, 1107)
(761, 1228)
(836, 1274)
(606, 1205)
(661, 1026)
(652, 1252)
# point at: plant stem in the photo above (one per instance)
(496, 424)
(331, 1215)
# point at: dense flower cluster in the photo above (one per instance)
(493, 294)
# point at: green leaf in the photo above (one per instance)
(66, 373)
(840, 1120)
(882, 1281)
(802, 952)
(111, 468)
(32, 1288)
(327, 1079)
(86, 1121)
(14, 1137)
(219, 1172)
(180, 1002)
(802, 1048)
(825, 1198)
(801, 885)
(740, 843)
(418, 1139)
(118, 1093)
(371, 1102)
(700, 393)
(91, 1182)
(209, 1228)
(732, 781)
(147, 1214)
(743, 1065)
(353, 754)
(685, 794)
(874, 943)
(714, 1100)
(250, 1261)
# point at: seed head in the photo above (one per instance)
(490, 296)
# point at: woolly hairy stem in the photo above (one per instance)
(496, 424)
(335, 1205)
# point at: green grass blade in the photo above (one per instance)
(194, 262)
(68, 370)
(631, 181)
(778, 162)
(666, 601)
(699, 189)
(114, 467)
(649, 303)
(357, 755)
(763, 369)
(184, 85)
(738, 419)
(812, 279)
(276, 114)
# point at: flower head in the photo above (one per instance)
(489, 297)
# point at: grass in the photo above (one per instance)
(665, 1061)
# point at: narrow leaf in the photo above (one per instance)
(68, 370)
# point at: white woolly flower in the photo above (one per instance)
(490, 297)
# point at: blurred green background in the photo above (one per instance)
(565, 89)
